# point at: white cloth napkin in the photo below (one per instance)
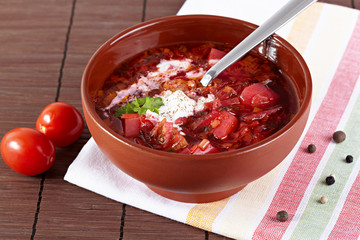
(93, 171)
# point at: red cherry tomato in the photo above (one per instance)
(27, 151)
(61, 123)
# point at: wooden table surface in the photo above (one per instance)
(44, 47)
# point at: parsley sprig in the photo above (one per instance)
(140, 106)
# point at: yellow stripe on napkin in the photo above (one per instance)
(203, 215)
(303, 27)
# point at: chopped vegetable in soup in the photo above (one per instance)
(155, 99)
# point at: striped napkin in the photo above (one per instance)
(328, 37)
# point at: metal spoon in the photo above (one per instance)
(285, 14)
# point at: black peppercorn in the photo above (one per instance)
(330, 180)
(282, 216)
(311, 148)
(339, 136)
(349, 159)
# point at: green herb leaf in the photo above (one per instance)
(140, 106)
(135, 105)
(157, 102)
(148, 104)
(142, 101)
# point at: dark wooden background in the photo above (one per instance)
(44, 47)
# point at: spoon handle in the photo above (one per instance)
(282, 16)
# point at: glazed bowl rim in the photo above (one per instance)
(89, 107)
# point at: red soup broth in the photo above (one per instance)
(245, 104)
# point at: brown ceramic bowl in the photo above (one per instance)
(194, 178)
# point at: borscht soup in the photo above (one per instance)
(156, 99)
